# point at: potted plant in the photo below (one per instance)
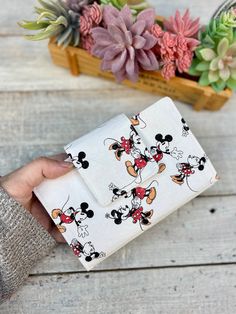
(125, 41)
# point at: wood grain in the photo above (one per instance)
(202, 232)
(42, 107)
(198, 290)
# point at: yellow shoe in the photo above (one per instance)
(151, 196)
(55, 213)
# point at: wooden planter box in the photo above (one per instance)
(80, 61)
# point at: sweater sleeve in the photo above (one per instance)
(23, 241)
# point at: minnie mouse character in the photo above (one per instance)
(87, 250)
(187, 169)
(125, 145)
(71, 215)
(163, 147)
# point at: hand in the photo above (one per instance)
(20, 184)
(177, 154)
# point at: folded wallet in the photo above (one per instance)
(128, 175)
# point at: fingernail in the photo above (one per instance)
(66, 164)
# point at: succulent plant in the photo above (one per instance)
(55, 19)
(125, 44)
(175, 44)
(136, 6)
(216, 67)
(220, 27)
(185, 26)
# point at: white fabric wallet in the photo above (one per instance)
(129, 174)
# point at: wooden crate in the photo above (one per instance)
(80, 61)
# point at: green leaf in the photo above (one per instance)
(213, 76)
(218, 86)
(231, 83)
(31, 25)
(223, 47)
(198, 54)
(192, 70)
(207, 54)
(203, 66)
(60, 20)
(204, 81)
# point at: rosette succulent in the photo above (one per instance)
(135, 5)
(220, 27)
(56, 19)
(124, 45)
(216, 67)
(176, 43)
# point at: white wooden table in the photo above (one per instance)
(190, 264)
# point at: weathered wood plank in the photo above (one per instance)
(27, 65)
(46, 117)
(15, 10)
(202, 232)
(203, 290)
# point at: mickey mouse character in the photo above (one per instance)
(139, 163)
(79, 160)
(71, 215)
(125, 145)
(188, 168)
(135, 212)
(149, 193)
(163, 147)
(87, 250)
(185, 129)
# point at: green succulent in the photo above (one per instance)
(135, 5)
(220, 27)
(55, 19)
(216, 67)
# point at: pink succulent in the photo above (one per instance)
(87, 42)
(168, 70)
(95, 13)
(85, 25)
(156, 30)
(91, 17)
(175, 46)
(125, 45)
(185, 26)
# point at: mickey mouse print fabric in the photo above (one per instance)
(129, 174)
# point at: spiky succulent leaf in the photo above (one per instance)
(220, 27)
(55, 19)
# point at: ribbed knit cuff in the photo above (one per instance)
(23, 241)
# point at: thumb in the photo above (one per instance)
(43, 168)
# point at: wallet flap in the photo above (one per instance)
(112, 159)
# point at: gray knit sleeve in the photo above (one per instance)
(23, 241)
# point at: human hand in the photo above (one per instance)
(20, 184)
